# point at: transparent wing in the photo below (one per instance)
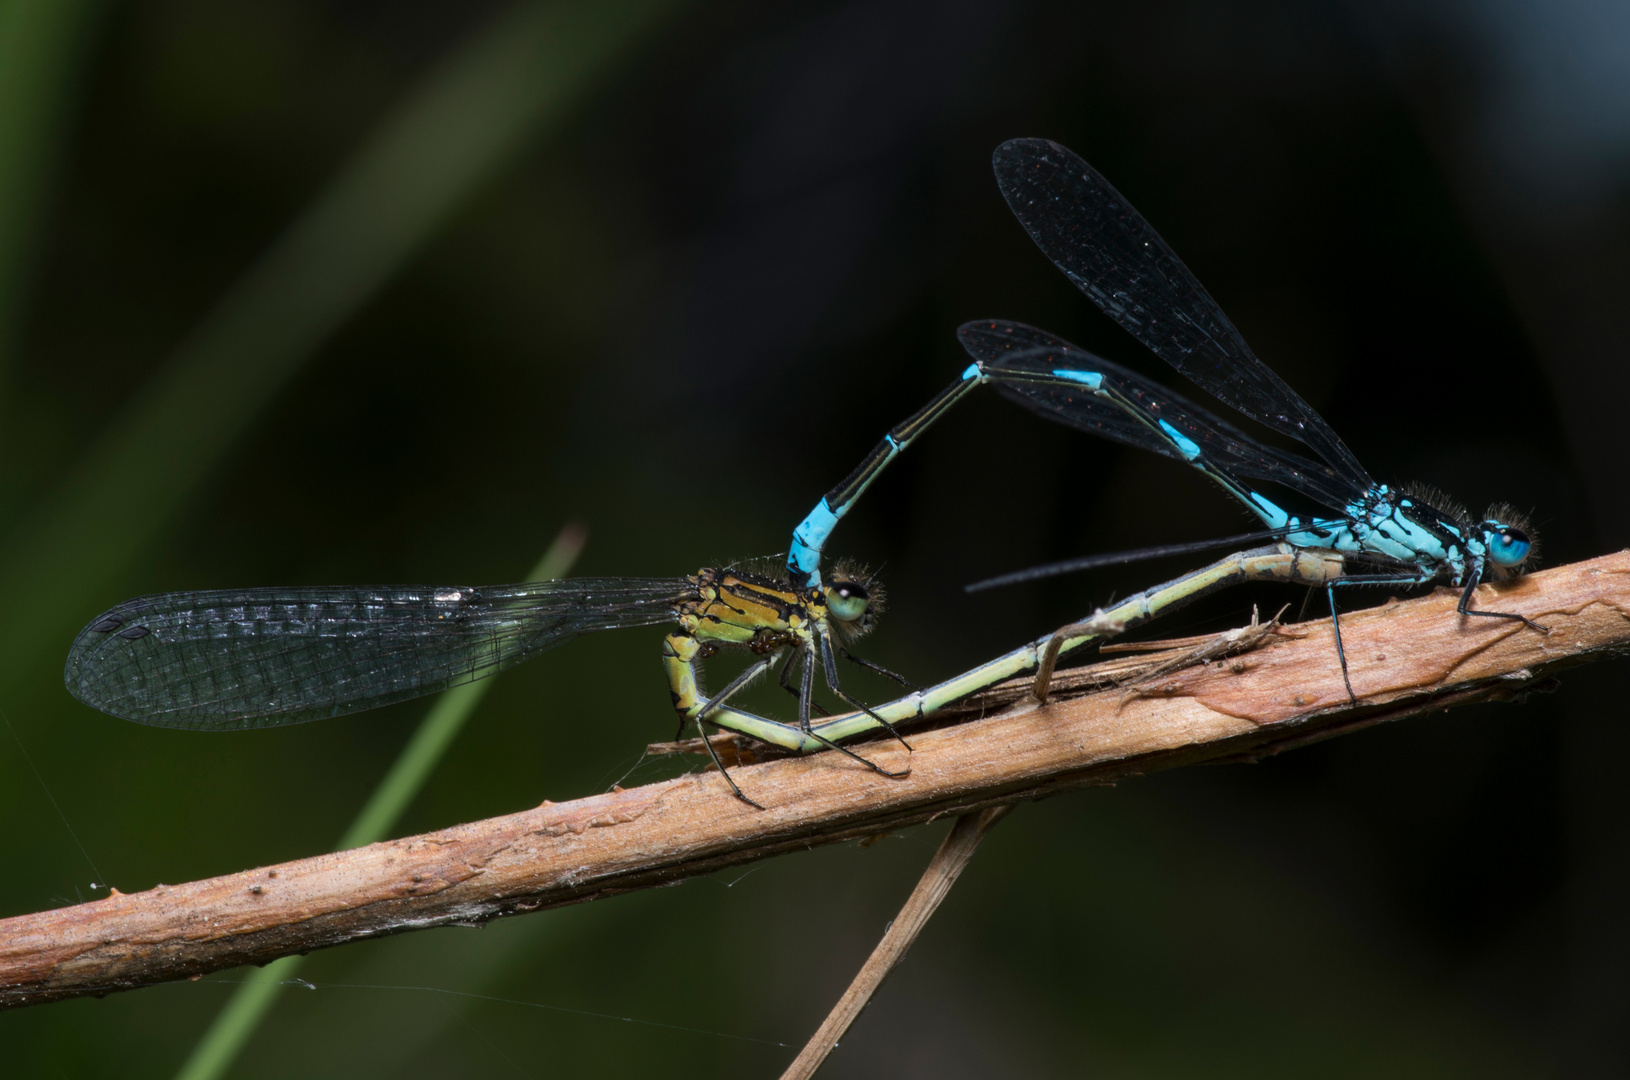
(1025, 364)
(268, 657)
(1115, 257)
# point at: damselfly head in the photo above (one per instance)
(854, 600)
(1511, 542)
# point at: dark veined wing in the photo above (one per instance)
(267, 657)
(1009, 352)
(1115, 257)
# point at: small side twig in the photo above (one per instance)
(942, 872)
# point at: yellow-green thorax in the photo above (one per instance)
(760, 613)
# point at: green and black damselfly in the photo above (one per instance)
(252, 658)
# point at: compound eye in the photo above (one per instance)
(1507, 546)
(847, 601)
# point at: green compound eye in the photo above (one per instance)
(847, 601)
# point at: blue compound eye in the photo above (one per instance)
(847, 601)
(1508, 546)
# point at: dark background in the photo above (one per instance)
(682, 310)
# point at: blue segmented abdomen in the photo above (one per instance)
(1092, 380)
(1269, 511)
(1185, 445)
(808, 539)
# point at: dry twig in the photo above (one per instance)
(1405, 658)
(943, 870)
(970, 829)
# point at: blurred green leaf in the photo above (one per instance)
(250, 1003)
(494, 94)
(42, 46)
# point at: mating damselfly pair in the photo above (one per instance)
(261, 657)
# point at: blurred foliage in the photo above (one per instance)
(255, 997)
(671, 270)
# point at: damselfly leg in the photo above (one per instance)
(845, 654)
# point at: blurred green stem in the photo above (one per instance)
(422, 752)
(252, 1000)
(471, 115)
(43, 45)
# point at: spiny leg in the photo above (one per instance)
(751, 672)
(830, 665)
(806, 686)
(1341, 654)
(808, 689)
(1307, 603)
(714, 754)
(859, 707)
(869, 666)
(872, 765)
(785, 680)
(1513, 616)
(1350, 580)
(1464, 608)
(758, 667)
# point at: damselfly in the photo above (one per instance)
(1380, 535)
(265, 657)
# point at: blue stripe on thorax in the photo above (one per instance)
(1383, 526)
(1374, 525)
